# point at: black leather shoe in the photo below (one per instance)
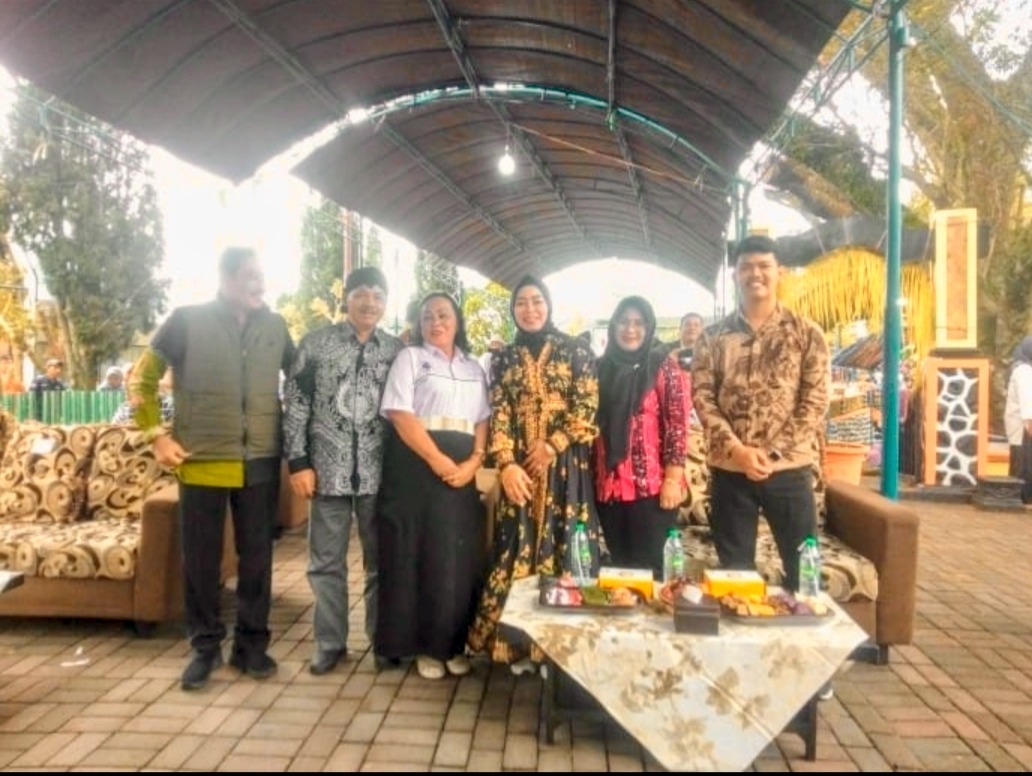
(256, 665)
(325, 661)
(199, 669)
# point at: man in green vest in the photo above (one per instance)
(224, 446)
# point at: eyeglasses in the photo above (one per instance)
(631, 323)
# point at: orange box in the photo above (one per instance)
(633, 579)
(721, 582)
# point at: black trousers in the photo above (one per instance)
(787, 501)
(635, 532)
(1021, 465)
(202, 515)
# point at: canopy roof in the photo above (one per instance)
(650, 107)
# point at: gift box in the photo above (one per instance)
(721, 582)
(639, 580)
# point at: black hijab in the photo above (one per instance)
(1022, 353)
(624, 377)
(534, 341)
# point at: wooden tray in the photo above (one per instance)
(586, 608)
(777, 621)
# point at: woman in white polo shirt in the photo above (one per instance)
(429, 516)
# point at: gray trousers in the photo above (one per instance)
(329, 531)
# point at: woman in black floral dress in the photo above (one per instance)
(544, 395)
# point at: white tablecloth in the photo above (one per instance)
(695, 702)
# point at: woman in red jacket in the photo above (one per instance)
(640, 451)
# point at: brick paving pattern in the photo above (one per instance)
(958, 699)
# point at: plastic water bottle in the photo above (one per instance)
(673, 556)
(809, 568)
(580, 555)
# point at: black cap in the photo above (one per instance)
(365, 276)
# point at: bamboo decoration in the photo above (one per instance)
(848, 285)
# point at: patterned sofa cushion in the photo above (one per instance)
(43, 473)
(123, 474)
(695, 510)
(8, 425)
(89, 549)
(845, 574)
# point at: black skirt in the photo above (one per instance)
(431, 552)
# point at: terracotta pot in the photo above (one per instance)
(844, 461)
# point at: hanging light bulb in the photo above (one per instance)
(506, 164)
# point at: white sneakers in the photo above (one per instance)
(429, 668)
(459, 665)
(432, 669)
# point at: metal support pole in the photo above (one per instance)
(893, 286)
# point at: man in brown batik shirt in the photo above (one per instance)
(760, 386)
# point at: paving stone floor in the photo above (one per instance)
(89, 695)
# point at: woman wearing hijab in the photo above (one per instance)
(1017, 416)
(640, 451)
(430, 520)
(544, 395)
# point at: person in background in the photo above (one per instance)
(429, 517)
(642, 442)
(1018, 416)
(334, 446)
(682, 349)
(46, 383)
(544, 396)
(760, 385)
(114, 380)
(224, 446)
(50, 380)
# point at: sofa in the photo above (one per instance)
(869, 552)
(90, 519)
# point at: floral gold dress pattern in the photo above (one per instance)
(553, 396)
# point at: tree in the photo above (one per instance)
(320, 289)
(968, 121)
(436, 274)
(373, 255)
(80, 198)
(486, 311)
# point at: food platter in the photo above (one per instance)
(562, 595)
(776, 609)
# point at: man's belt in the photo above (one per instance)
(443, 423)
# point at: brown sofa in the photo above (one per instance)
(886, 533)
(90, 519)
(869, 548)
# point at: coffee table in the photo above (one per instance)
(694, 702)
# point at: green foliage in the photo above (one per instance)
(318, 295)
(373, 255)
(79, 198)
(486, 311)
(968, 122)
(839, 155)
(435, 274)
